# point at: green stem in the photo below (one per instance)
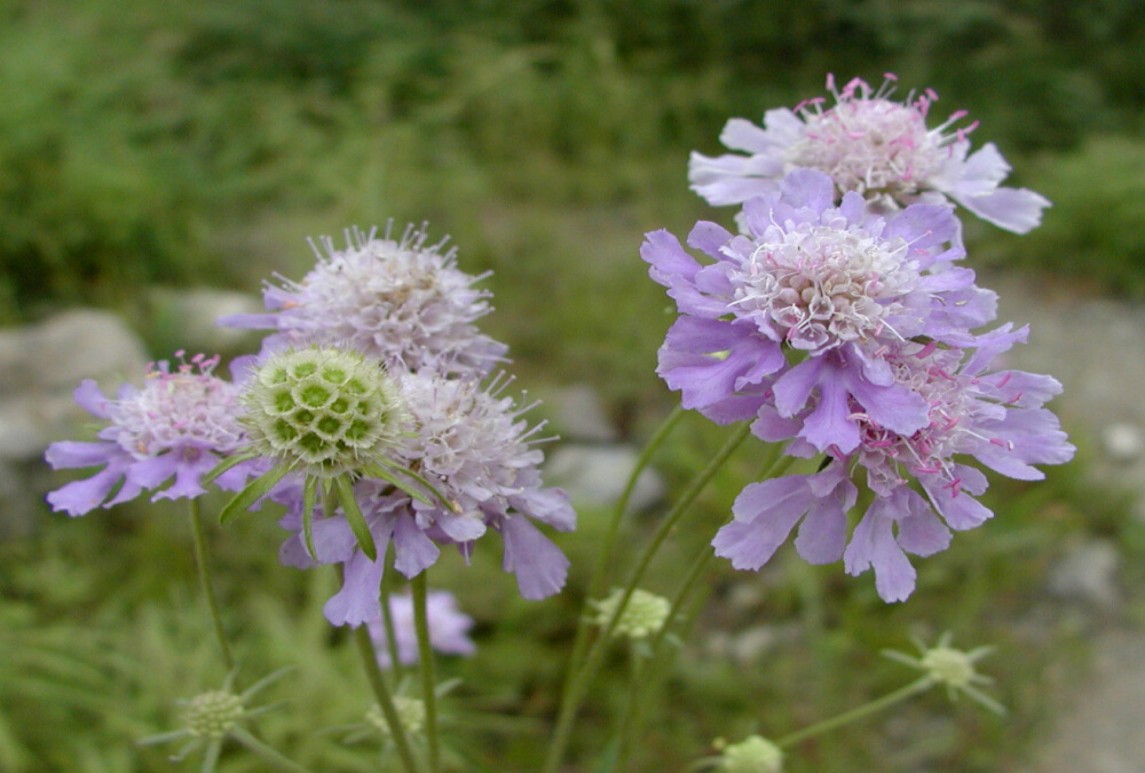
(391, 635)
(382, 694)
(860, 712)
(603, 562)
(657, 665)
(604, 556)
(206, 582)
(583, 677)
(266, 752)
(428, 679)
(654, 670)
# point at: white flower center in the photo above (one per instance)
(953, 417)
(819, 287)
(178, 409)
(871, 145)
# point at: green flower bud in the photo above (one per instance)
(411, 713)
(753, 754)
(213, 714)
(324, 411)
(645, 614)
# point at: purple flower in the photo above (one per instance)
(448, 628)
(396, 300)
(921, 484)
(469, 443)
(867, 143)
(178, 425)
(802, 305)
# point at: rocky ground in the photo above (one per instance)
(1096, 347)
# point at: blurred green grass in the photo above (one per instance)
(200, 143)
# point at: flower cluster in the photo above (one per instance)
(398, 300)
(371, 413)
(394, 432)
(179, 424)
(868, 143)
(471, 448)
(840, 323)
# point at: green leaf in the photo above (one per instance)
(226, 464)
(354, 516)
(252, 493)
(309, 496)
(393, 476)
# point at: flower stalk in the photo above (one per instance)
(206, 582)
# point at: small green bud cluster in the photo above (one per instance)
(324, 410)
(753, 754)
(950, 667)
(644, 616)
(411, 713)
(213, 714)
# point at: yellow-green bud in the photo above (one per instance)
(323, 410)
(753, 754)
(645, 614)
(213, 714)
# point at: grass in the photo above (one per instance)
(97, 652)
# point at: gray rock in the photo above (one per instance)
(59, 352)
(596, 475)
(577, 413)
(40, 367)
(1087, 573)
(193, 314)
(1123, 441)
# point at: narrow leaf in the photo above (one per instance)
(393, 476)
(354, 516)
(309, 497)
(255, 490)
(226, 464)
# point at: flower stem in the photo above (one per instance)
(266, 752)
(391, 635)
(650, 676)
(206, 581)
(582, 678)
(860, 712)
(382, 694)
(604, 555)
(428, 679)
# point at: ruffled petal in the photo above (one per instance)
(540, 566)
(75, 454)
(359, 598)
(82, 496)
(413, 550)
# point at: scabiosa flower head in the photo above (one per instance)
(179, 424)
(211, 717)
(322, 410)
(880, 148)
(838, 283)
(448, 628)
(470, 445)
(400, 301)
(753, 754)
(643, 616)
(921, 482)
(213, 714)
(411, 714)
(953, 669)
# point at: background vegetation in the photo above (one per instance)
(184, 144)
